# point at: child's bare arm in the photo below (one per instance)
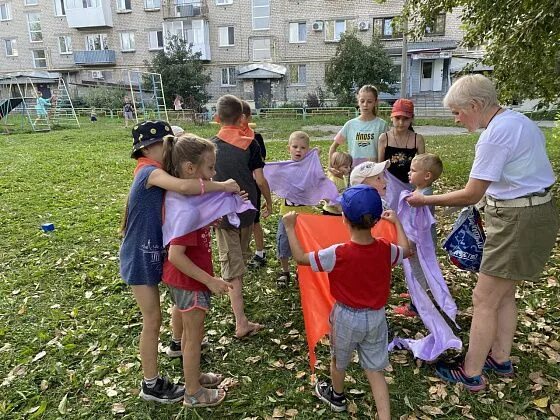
(402, 240)
(185, 265)
(289, 221)
(262, 183)
(162, 179)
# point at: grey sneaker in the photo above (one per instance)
(164, 391)
(325, 392)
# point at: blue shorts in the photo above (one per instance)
(282, 243)
(364, 330)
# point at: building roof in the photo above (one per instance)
(36, 76)
(458, 63)
(425, 46)
(262, 71)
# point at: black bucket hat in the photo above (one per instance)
(149, 132)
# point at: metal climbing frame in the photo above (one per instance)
(150, 98)
(23, 100)
(64, 112)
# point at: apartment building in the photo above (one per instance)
(266, 51)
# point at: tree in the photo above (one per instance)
(182, 72)
(356, 64)
(521, 40)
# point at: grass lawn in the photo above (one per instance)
(69, 326)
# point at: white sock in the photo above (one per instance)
(260, 253)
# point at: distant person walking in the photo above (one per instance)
(178, 103)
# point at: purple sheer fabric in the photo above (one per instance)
(417, 225)
(185, 214)
(302, 182)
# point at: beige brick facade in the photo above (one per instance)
(313, 51)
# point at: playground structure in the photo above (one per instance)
(147, 96)
(22, 104)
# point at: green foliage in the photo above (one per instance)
(182, 72)
(521, 39)
(356, 64)
(104, 97)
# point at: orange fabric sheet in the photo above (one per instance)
(317, 232)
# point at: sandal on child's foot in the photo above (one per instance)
(283, 280)
(210, 380)
(204, 397)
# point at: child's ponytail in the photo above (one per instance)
(168, 147)
(375, 92)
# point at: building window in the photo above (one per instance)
(155, 40)
(124, 6)
(39, 59)
(334, 29)
(96, 42)
(127, 41)
(298, 32)
(384, 28)
(31, 2)
(229, 76)
(11, 49)
(5, 12)
(261, 14)
(59, 8)
(152, 4)
(223, 2)
(65, 44)
(298, 74)
(82, 4)
(226, 34)
(261, 49)
(438, 28)
(34, 27)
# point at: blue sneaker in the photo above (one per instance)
(456, 374)
(501, 369)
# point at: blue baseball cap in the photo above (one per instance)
(359, 200)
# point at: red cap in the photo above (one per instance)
(404, 108)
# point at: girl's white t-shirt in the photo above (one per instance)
(361, 137)
(511, 153)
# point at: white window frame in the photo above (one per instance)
(103, 42)
(301, 73)
(122, 6)
(255, 19)
(224, 36)
(231, 76)
(131, 42)
(13, 46)
(336, 34)
(59, 7)
(153, 40)
(29, 23)
(294, 32)
(152, 4)
(67, 44)
(223, 2)
(30, 2)
(6, 7)
(263, 48)
(40, 58)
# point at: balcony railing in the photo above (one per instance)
(95, 58)
(184, 9)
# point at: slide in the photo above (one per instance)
(8, 105)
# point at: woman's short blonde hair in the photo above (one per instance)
(471, 88)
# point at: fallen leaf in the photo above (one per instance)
(292, 412)
(44, 385)
(352, 408)
(300, 374)
(39, 356)
(111, 392)
(62, 405)
(555, 408)
(118, 408)
(278, 412)
(432, 411)
(253, 359)
(541, 402)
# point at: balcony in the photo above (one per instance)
(96, 14)
(184, 9)
(95, 58)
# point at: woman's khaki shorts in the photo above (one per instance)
(233, 249)
(518, 240)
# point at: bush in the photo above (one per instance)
(104, 97)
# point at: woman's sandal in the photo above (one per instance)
(210, 380)
(204, 397)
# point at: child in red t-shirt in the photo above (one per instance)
(189, 274)
(359, 277)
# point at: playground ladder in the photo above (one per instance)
(64, 112)
(29, 107)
